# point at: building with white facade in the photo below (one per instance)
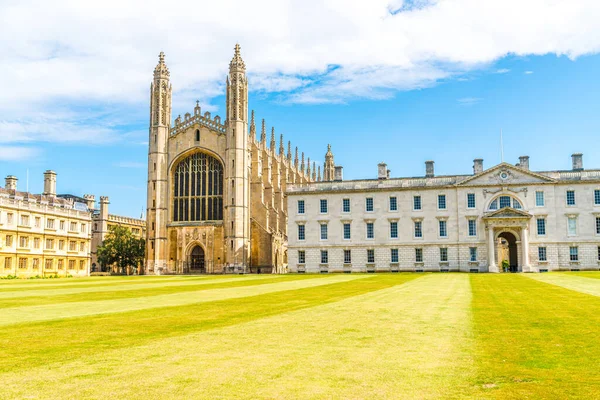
(505, 218)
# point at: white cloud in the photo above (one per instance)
(100, 53)
(469, 101)
(502, 71)
(18, 153)
(528, 72)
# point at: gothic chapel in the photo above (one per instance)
(216, 200)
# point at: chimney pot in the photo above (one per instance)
(477, 165)
(49, 183)
(577, 161)
(382, 171)
(429, 172)
(524, 162)
(11, 182)
(338, 173)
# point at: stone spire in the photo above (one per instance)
(161, 71)
(289, 152)
(263, 133)
(329, 169)
(314, 172)
(308, 168)
(237, 64)
(272, 144)
(296, 158)
(281, 149)
(302, 165)
(319, 175)
(252, 126)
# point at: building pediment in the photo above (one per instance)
(507, 212)
(505, 174)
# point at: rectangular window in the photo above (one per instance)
(369, 204)
(22, 263)
(81, 265)
(370, 230)
(38, 222)
(370, 256)
(50, 223)
(572, 226)
(73, 227)
(542, 256)
(9, 218)
(504, 201)
(393, 203)
(36, 243)
(347, 231)
(416, 202)
(25, 220)
(23, 241)
(82, 247)
(301, 257)
(442, 201)
(346, 205)
(574, 253)
(473, 253)
(472, 227)
(597, 225)
(300, 206)
(394, 230)
(539, 199)
(61, 225)
(541, 226)
(324, 257)
(323, 206)
(598, 253)
(7, 262)
(443, 254)
(61, 264)
(394, 255)
(36, 263)
(8, 240)
(418, 229)
(597, 197)
(470, 200)
(83, 228)
(323, 231)
(443, 230)
(48, 263)
(71, 264)
(72, 245)
(61, 244)
(418, 255)
(301, 232)
(347, 257)
(570, 197)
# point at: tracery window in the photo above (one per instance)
(198, 189)
(505, 201)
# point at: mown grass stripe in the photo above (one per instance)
(49, 312)
(52, 343)
(534, 340)
(580, 284)
(585, 274)
(116, 288)
(35, 284)
(155, 290)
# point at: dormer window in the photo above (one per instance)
(505, 201)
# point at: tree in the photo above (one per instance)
(122, 248)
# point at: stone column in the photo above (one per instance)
(525, 249)
(492, 267)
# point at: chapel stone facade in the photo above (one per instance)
(216, 193)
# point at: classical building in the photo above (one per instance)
(504, 218)
(102, 222)
(215, 191)
(43, 234)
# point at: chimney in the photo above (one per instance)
(11, 182)
(104, 207)
(429, 169)
(477, 165)
(577, 161)
(49, 183)
(339, 173)
(90, 201)
(382, 171)
(524, 162)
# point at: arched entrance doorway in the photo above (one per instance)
(196, 262)
(507, 250)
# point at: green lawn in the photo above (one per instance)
(358, 336)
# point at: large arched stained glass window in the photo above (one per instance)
(198, 194)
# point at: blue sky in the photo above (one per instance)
(79, 106)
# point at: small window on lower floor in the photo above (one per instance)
(473, 253)
(301, 257)
(370, 256)
(542, 256)
(394, 255)
(573, 253)
(418, 255)
(598, 253)
(347, 257)
(324, 257)
(443, 254)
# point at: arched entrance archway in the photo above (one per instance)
(507, 250)
(196, 260)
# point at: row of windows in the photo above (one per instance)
(500, 202)
(571, 226)
(370, 230)
(394, 255)
(23, 263)
(24, 242)
(542, 255)
(25, 220)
